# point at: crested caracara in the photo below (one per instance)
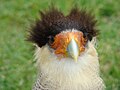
(65, 52)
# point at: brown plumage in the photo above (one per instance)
(53, 22)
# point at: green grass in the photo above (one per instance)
(17, 68)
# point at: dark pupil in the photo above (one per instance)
(85, 35)
(51, 39)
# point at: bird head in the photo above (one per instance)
(65, 36)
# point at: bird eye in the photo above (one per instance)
(50, 39)
(85, 35)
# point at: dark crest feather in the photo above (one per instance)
(53, 22)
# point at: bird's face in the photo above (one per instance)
(69, 44)
(67, 36)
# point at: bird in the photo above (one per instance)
(65, 53)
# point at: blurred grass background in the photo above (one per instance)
(17, 68)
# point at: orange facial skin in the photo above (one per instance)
(62, 40)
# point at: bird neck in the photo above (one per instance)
(66, 73)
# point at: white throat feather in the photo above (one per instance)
(65, 74)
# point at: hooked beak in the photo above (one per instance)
(73, 49)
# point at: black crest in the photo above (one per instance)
(53, 22)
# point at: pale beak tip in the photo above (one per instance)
(75, 59)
